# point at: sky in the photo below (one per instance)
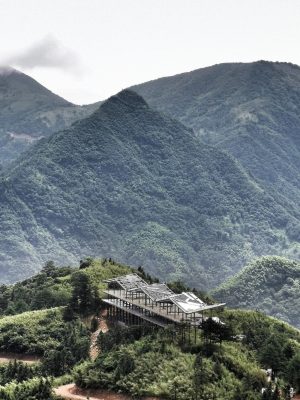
(87, 50)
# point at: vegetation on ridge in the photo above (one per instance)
(269, 284)
(230, 370)
(247, 109)
(131, 183)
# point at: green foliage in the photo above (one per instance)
(50, 288)
(53, 286)
(242, 108)
(37, 332)
(85, 298)
(168, 369)
(293, 371)
(34, 389)
(231, 371)
(214, 331)
(142, 361)
(118, 335)
(133, 183)
(269, 284)
(274, 342)
(17, 371)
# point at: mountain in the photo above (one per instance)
(131, 183)
(29, 111)
(268, 284)
(250, 110)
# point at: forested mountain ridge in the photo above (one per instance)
(269, 284)
(249, 109)
(134, 184)
(29, 111)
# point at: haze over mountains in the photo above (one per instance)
(29, 111)
(134, 184)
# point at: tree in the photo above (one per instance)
(293, 371)
(272, 353)
(85, 297)
(202, 374)
(49, 268)
(215, 331)
(87, 262)
(126, 364)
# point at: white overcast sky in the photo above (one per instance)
(87, 50)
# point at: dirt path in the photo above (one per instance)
(94, 351)
(72, 392)
(28, 359)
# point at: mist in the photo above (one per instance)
(47, 53)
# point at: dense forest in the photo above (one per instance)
(134, 183)
(269, 284)
(247, 109)
(222, 364)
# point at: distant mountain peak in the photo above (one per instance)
(6, 70)
(127, 97)
(29, 111)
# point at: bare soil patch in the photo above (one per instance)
(72, 392)
(26, 358)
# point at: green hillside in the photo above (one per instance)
(133, 184)
(52, 286)
(251, 110)
(269, 284)
(29, 111)
(229, 370)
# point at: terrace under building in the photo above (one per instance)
(135, 302)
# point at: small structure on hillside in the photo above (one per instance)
(133, 301)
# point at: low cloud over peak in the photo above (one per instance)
(47, 53)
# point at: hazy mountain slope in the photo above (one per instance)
(29, 111)
(133, 184)
(269, 284)
(251, 110)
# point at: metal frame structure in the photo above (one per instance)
(135, 302)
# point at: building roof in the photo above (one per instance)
(128, 282)
(157, 291)
(187, 302)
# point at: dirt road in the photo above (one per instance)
(72, 392)
(28, 359)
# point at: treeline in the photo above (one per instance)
(49, 288)
(53, 286)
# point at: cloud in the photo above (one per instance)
(6, 70)
(47, 53)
